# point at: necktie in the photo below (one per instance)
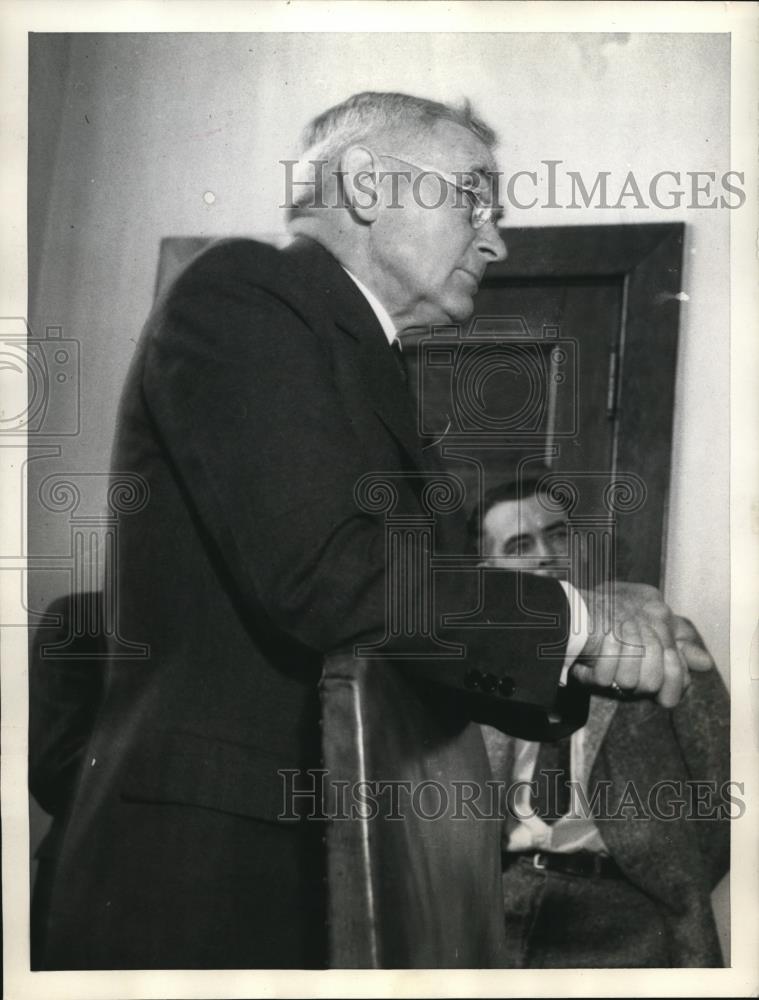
(397, 350)
(552, 775)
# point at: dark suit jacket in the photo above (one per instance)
(261, 392)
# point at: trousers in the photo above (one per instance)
(560, 921)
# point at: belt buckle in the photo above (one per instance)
(539, 861)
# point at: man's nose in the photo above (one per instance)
(542, 549)
(490, 243)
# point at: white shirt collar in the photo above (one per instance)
(383, 316)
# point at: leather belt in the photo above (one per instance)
(587, 864)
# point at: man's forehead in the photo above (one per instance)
(517, 517)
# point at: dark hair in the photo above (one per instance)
(520, 487)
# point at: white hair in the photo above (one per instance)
(371, 113)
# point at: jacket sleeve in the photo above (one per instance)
(240, 390)
(702, 726)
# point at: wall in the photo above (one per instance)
(181, 135)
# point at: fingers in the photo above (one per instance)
(696, 657)
(674, 682)
(662, 620)
(691, 645)
(607, 661)
(617, 662)
(583, 673)
(636, 664)
(640, 670)
(685, 629)
(644, 650)
(652, 671)
(629, 663)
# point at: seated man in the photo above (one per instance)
(64, 694)
(607, 869)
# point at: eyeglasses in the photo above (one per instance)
(481, 211)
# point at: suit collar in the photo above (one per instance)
(316, 266)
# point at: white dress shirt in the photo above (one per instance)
(526, 831)
(383, 316)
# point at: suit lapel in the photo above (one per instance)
(390, 396)
(380, 377)
(600, 714)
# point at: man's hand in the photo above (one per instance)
(637, 646)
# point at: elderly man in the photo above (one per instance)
(607, 885)
(264, 388)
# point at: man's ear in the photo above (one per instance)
(359, 170)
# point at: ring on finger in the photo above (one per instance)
(619, 691)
